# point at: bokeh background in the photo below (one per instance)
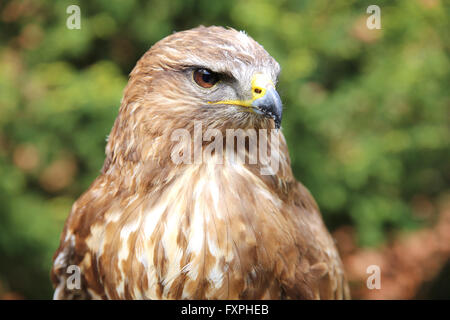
(366, 119)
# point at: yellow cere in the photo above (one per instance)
(260, 83)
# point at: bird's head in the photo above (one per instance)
(219, 76)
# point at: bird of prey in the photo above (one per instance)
(151, 227)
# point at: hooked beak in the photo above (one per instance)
(265, 99)
(270, 105)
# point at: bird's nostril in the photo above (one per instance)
(257, 90)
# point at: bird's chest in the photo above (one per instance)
(208, 235)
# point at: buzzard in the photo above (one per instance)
(153, 227)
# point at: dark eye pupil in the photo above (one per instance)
(207, 76)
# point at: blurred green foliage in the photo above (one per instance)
(366, 111)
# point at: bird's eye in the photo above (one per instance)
(205, 78)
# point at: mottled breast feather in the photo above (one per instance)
(151, 229)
